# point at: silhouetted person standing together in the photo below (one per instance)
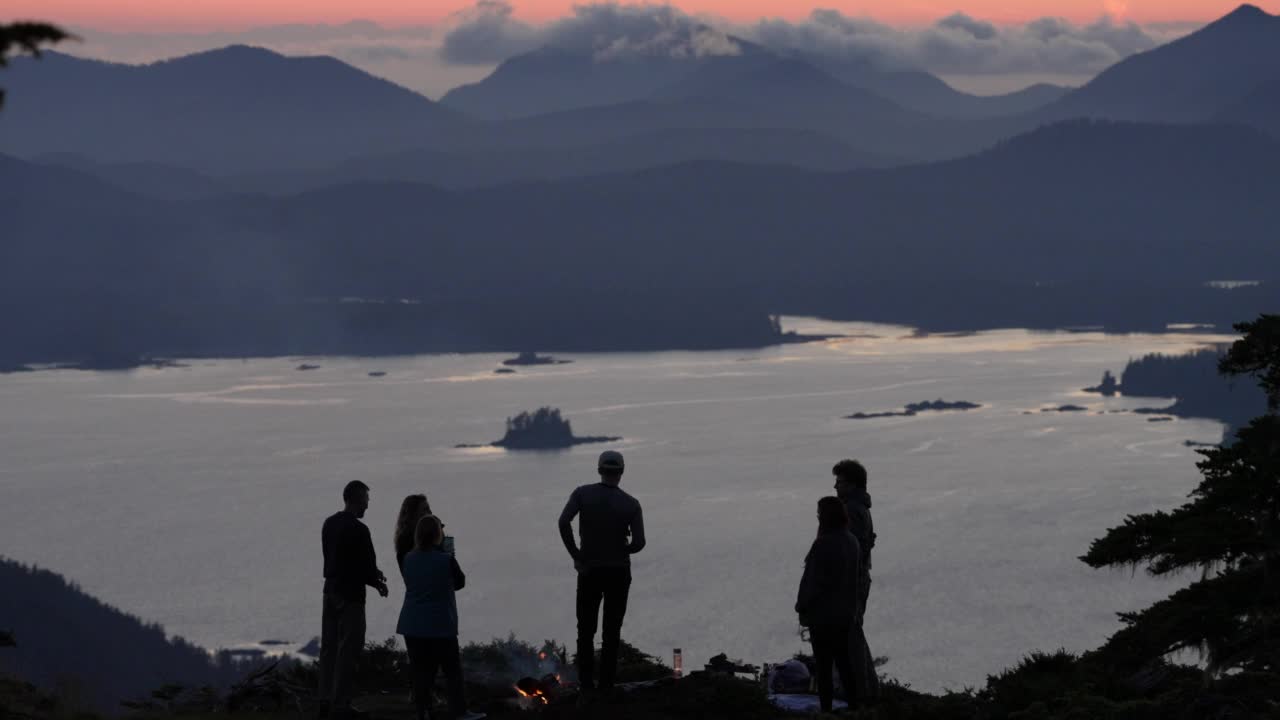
(611, 528)
(349, 565)
(827, 596)
(851, 487)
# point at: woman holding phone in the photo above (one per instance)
(429, 618)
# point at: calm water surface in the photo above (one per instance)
(194, 496)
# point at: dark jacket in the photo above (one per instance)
(430, 607)
(832, 574)
(858, 504)
(610, 525)
(349, 560)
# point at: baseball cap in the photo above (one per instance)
(611, 460)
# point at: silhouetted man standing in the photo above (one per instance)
(611, 528)
(349, 565)
(851, 487)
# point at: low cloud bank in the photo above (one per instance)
(489, 33)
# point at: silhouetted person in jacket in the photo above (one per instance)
(828, 592)
(611, 529)
(349, 565)
(851, 487)
(429, 618)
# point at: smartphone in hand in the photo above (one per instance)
(447, 545)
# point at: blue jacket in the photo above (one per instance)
(430, 608)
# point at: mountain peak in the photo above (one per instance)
(1243, 16)
(232, 53)
(1248, 11)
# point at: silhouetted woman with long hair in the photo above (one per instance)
(413, 509)
(828, 597)
(429, 617)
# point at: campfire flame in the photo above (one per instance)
(537, 693)
(534, 689)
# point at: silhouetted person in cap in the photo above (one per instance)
(851, 488)
(349, 565)
(611, 529)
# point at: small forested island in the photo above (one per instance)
(533, 358)
(542, 429)
(1108, 387)
(914, 409)
(504, 371)
(307, 366)
(1199, 391)
(1064, 408)
(377, 373)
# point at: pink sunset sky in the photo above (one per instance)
(431, 46)
(203, 15)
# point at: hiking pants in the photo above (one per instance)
(867, 685)
(426, 656)
(831, 647)
(341, 640)
(609, 585)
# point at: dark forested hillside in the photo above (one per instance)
(67, 639)
(1084, 223)
(1200, 390)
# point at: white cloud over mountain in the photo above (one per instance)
(489, 33)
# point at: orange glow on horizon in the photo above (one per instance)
(202, 15)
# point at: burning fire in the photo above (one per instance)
(530, 688)
(537, 693)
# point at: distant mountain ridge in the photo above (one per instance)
(555, 79)
(1191, 79)
(481, 167)
(231, 108)
(925, 92)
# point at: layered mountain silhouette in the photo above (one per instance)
(1083, 223)
(229, 109)
(1192, 79)
(477, 168)
(722, 196)
(559, 97)
(925, 92)
(554, 79)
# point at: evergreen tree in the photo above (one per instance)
(1229, 532)
(26, 37)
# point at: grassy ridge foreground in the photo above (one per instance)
(1044, 686)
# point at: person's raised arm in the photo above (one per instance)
(637, 532)
(571, 509)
